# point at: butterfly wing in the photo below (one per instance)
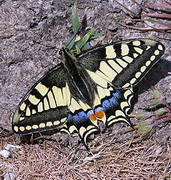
(120, 67)
(54, 104)
(45, 106)
(123, 63)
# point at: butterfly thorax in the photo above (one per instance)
(78, 76)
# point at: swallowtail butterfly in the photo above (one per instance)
(78, 92)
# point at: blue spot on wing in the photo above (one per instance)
(79, 118)
(112, 101)
(99, 109)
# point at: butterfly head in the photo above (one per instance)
(66, 56)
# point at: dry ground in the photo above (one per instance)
(31, 34)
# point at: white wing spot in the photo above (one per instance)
(33, 111)
(16, 128)
(63, 119)
(123, 105)
(21, 118)
(58, 96)
(33, 99)
(107, 70)
(42, 89)
(28, 112)
(128, 59)
(135, 55)
(66, 94)
(160, 47)
(116, 67)
(137, 75)
(156, 52)
(35, 126)
(136, 43)
(49, 123)
(82, 131)
(97, 78)
(143, 68)
(42, 125)
(121, 62)
(138, 50)
(126, 94)
(46, 104)
(111, 119)
(119, 113)
(28, 128)
(110, 88)
(72, 129)
(148, 47)
(23, 106)
(51, 100)
(56, 123)
(132, 80)
(124, 49)
(126, 85)
(40, 107)
(110, 52)
(152, 57)
(148, 63)
(22, 128)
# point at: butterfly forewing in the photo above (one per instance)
(45, 106)
(124, 63)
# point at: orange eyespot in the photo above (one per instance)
(93, 117)
(100, 114)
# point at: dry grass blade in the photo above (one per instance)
(167, 16)
(161, 29)
(161, 6)
(125, 7)
(165, 26)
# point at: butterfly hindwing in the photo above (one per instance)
(113, 104)
(110, 106)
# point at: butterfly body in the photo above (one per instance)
(79, 91)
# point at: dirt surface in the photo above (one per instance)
(31, 35)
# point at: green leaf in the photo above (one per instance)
(160, 111)
(86, 46)
(78, 50)
(77, 44)
(70, 43)
(143, 115)
(84, 40)
(144, 127)
(75, 21)
(155, 103)
(96, 35)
